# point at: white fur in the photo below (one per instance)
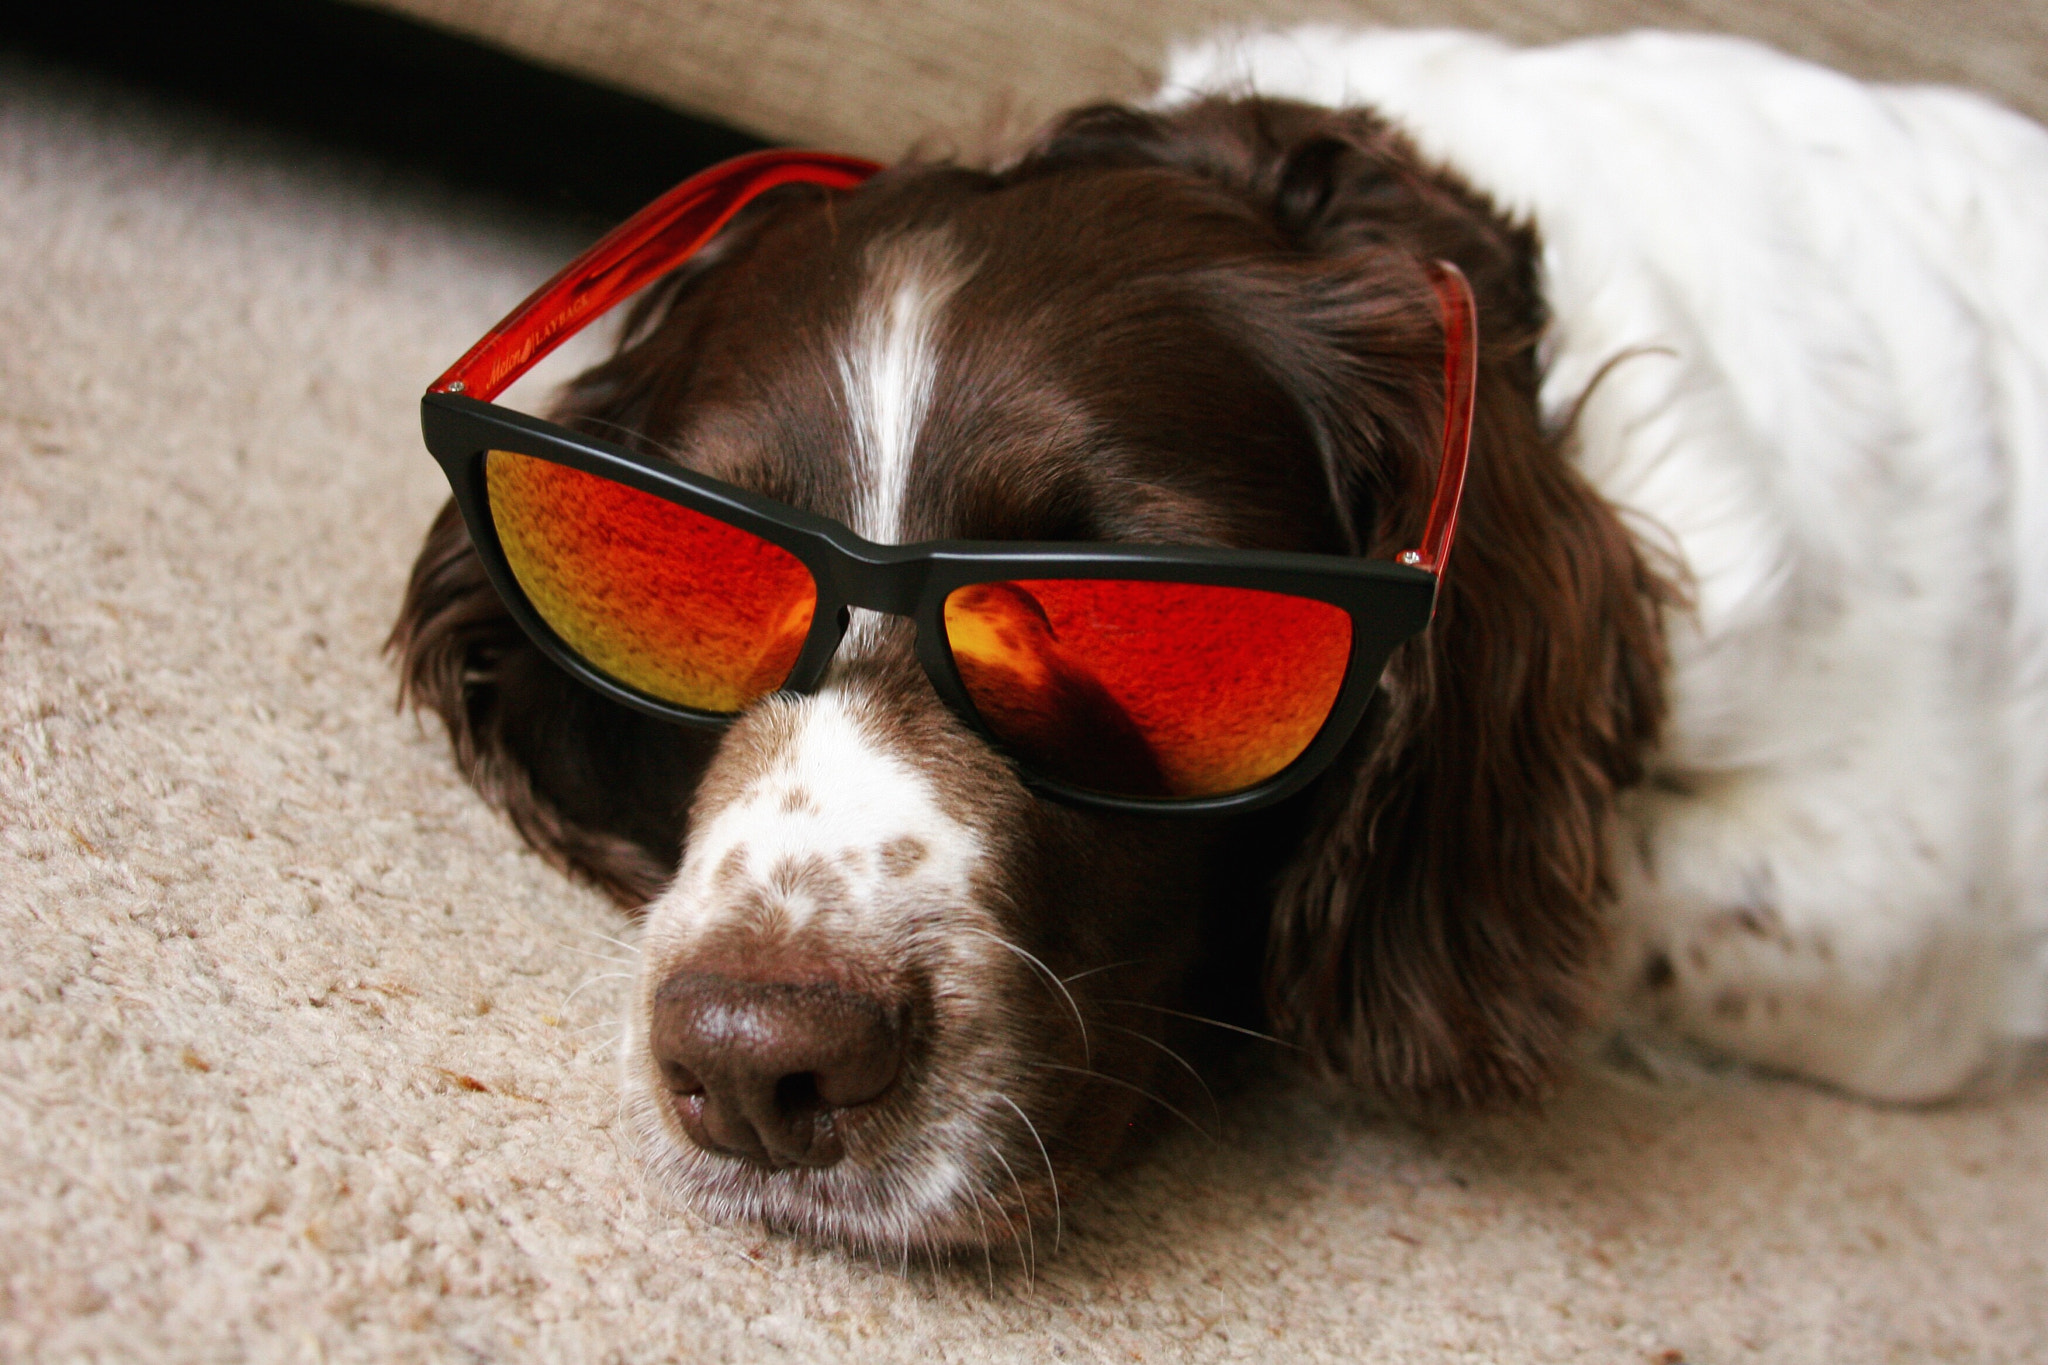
(1827, 308)
(830, 793)
(888, 368)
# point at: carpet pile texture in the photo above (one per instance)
(304, 1057)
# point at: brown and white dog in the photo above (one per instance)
(1730, 722)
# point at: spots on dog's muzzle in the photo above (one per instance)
(823, 819)
(900, 857)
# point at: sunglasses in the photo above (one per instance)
(1127, 677)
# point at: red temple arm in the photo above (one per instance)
(1461, 380)
(639, 251)
(674, 227)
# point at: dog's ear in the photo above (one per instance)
(1438, 936)
(597, 788)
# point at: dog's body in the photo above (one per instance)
(1762, 455)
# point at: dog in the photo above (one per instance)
(1730, 726)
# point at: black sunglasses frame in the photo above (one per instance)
(1387, 602)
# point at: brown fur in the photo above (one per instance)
(1437, 927)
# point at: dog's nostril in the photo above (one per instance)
(797, 1093)
(678, 1079)
(763, 1071)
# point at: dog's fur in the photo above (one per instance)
(1732, 724)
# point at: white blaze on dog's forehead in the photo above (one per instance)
(836, 797)
(889, 366)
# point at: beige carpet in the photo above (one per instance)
(303, 1058)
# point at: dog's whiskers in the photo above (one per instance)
(1186, 1065)
(1023, 1210)
(988, 1261)
(1130, 1086)
(1212, 1023)
(1051, 1176)
(615, 942)
(1105, 967)
(1080, 1023)
(633, 961)
(1009, 1223)
(592, 981)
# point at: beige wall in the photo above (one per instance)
(876, 76)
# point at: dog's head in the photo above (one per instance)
(889, 996)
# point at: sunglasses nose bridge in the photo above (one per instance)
(889, 581)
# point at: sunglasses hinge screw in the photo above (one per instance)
(457, 387)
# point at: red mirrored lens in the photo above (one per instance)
(677, 604)
(1149, 689)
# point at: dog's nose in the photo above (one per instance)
(763, 1070)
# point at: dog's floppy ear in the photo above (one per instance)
(590, 784)
(597, 788)
(1438, 936)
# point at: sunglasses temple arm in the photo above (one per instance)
(1461, 380)
(639, 251)
(676, 226)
